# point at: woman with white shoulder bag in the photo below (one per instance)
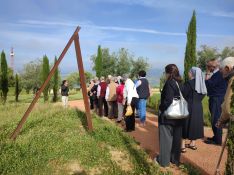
(172, 111)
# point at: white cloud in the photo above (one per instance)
(90, 25)
(223, 14)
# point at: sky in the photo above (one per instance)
(154, 29)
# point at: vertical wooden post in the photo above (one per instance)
(82, 80)
(28, 111)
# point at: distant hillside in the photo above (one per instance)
(154, 75)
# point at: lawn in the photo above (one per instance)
(27, 98)
(55, 141)
(154, 100)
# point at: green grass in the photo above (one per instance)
(154, 101)
(189, 169)
(55, 141)
(27, 98)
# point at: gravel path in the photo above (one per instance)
(204, 158)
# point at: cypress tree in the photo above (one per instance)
(4, 77)
(45, 73)
(98, 62)
(190, 52)
(230, 142)
(55, 83)
(17, 88)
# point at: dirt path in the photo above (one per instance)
(204, 158)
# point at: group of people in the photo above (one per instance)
(110, 97)
(216, 84)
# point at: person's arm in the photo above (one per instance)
(138, 83)
(127, 94)
(130, 92)
(212, 82)
(168, 95)
(63, 88)
(107, 92)
(150, 91)
(118, 91)
(98, 90)
(124, 96)
(93, 90)
(226, 109)
(186, 90)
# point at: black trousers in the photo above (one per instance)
(102, 103)
(130, 120)
(170, 144)
(91, 102)
(215, 111)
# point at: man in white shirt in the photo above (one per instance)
(131, 97)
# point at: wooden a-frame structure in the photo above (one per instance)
(75, 38)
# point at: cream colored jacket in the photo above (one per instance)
(226, 110)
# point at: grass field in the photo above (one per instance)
(55, 141)
(154, 100)
(27, 98)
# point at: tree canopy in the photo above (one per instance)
(190, 52)
(74, 79)
(31, 75)
(120, 62)
(4, 76)
(206, 53)
(44, 74)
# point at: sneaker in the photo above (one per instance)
(156, 160)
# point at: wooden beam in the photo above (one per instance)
(82, 80)
(28, 111)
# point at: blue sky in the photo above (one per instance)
(155, 29)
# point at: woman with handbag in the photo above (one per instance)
(170, 120)
(131, 99)
(194, 91)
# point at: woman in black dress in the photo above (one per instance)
(194, 91)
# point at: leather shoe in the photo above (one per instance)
(210, 138)
(212, 142)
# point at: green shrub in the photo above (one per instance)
(153, 102)
(230, 142)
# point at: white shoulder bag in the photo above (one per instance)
(178, 109)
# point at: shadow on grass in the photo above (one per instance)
(189, 169)
(82, 118)
(139, 157)
(30, 125)
(79, 173)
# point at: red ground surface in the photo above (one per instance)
(205, 158)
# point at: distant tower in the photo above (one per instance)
(12, 59)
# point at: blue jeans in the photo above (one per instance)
(142, 109)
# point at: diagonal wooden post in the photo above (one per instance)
(82, 79)
(28, 111)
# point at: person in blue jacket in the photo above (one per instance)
(216, 88)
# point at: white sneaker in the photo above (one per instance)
(156, 160)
